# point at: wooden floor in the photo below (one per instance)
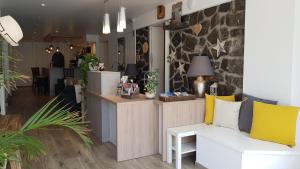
(65, 150)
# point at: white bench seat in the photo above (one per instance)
(222, 148)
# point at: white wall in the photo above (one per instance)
(157, 49)
(32, 54)
(96, 40)
(269, 49)
(150, 18)
(295, 100)
(112, 39)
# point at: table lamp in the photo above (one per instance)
(131, 71)
(199, 68)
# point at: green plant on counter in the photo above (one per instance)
(151, 81)
(84, 67)
(49, 115)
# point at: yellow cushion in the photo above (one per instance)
(274, 123)
(210, 106)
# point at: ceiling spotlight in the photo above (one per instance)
(56, 31)
(71, 46)
(43, 4)
(51, 47)
(57, 49)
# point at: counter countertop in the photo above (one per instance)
(118, 99)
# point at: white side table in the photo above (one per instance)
(180, 148)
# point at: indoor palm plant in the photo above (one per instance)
(151, 84)
(49, 115)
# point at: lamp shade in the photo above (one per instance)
(200, 66)
(119, 28)
(106, 24)
(123, 17)
(131, 70)
(10, 30)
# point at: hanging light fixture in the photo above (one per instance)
(47, 50)
(119, 28)
(71, 46)
(10, 30)
(51, 47)
(106, 23)
(123, 17)
(57, 49)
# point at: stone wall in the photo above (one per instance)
(225, 23)
(142, 54)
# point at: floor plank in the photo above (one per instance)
(65, 150)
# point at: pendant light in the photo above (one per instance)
(51, 47)
(10, 30)
(119, 28)
(106, 23)
(57, 49)
(123, 17)
(47, 50)
(71, 46)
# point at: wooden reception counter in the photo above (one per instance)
(137, 127)
(130, 124)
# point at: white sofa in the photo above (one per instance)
(222, 148)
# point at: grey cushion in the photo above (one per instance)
(246, 111)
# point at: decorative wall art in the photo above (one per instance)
(222, 29)
(142, 55)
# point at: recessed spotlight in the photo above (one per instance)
(43, 4)
(56, 31)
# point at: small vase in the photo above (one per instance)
(150, 95)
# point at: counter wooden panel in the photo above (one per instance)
(174, 114)
(136, 125)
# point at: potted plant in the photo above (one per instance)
(49, 115)
(88, 63)
(151, 84)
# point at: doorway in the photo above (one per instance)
(104, 53)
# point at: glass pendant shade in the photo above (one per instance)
(123, 17)
(119, 28)
(106, 24)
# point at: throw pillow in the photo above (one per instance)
(210, 105)
(274, 123)
(246, 111)
(226, 114)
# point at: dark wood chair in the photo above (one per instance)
(45, 80)
(35, 73)
(68, 73)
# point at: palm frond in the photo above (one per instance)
(52, 115)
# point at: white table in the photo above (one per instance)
(180, 148)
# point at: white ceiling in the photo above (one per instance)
(69, 17)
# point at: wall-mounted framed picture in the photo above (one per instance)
(161, 12)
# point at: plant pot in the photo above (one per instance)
(150, 95)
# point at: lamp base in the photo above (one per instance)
(200, 87)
